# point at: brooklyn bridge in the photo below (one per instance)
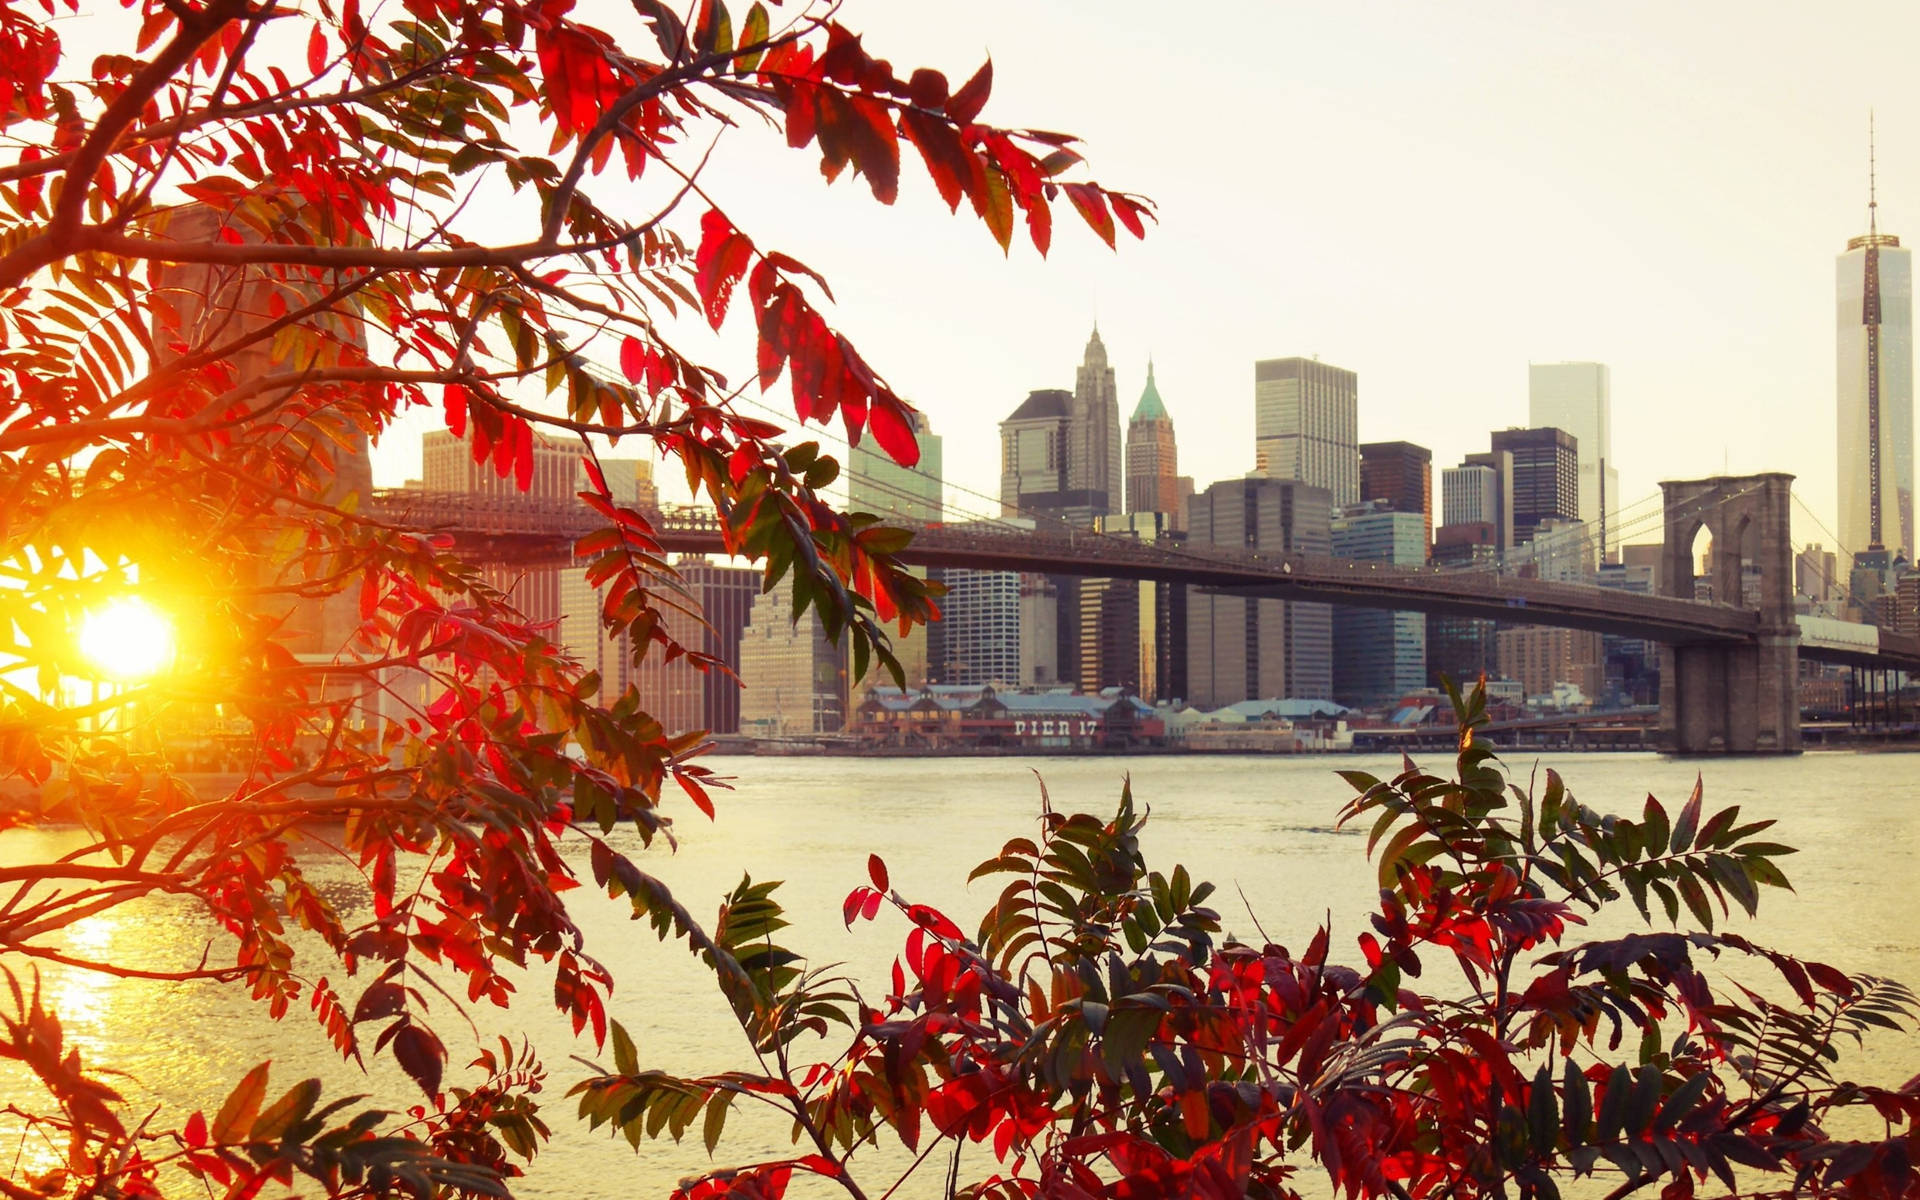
(1729, 673)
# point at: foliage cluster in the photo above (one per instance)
(1099, 1038)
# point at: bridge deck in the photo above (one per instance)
(521, 531)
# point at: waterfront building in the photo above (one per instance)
(1306, 426)
(1241, 648)
(1153, 469)
(1094, 464)
(793, 680)
(1578, 397)
(1874, 395)
(877, 484)
(1545, 477)
(1540, 657)
(989, 718)
(1378, 655)
(1400, 476)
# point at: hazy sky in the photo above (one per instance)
(1429, 195)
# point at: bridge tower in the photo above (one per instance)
(1733, 699)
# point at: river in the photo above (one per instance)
(1261, 827)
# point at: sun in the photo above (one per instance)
(126, 639)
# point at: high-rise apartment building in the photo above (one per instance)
(1400, 476)
(1378, 656)
(1874, 386)
(1578, 397)
(793, 680)
(1094, 465)
(877, 484)
(680, 695)
(1306, 425)
(1153, 467)
(979, 640)
(1545, 477)
(1241, 648)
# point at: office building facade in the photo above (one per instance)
(1306, 425)
(1378, 655)
(1578, 397)
(1399, 475)
(1153, 460)
(1241, 648)
(1545, 477)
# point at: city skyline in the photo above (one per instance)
(1496, 185)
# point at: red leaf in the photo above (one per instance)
(720, 262)
(877, 871)
(1092, 203)
(633, 359)
(699, 796)
(850, 908)
(894, 432)
(871, 906)
(594, 477)
(969, 100)
(454, 399)
(421, 1056)
(316, 50)
(196, 1130)
(523, 457)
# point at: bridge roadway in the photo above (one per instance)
(519, 530)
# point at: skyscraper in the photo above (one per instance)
(1153, 468)
(1874, 343)
(1545, 477)
(1578, 397)
(1306, 425)
(793, 680)
(1036, 443)
(1378, 656)
(1240, 648)
(877, 484)
(1094, 465)
(1399, 475)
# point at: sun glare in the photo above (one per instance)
(126, 639)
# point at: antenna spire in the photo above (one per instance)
(1873, 199)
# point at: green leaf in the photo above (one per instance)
(1578, 1102)
(1646, 1093)
(1696, 898)
(1658, 827)
(752, 33)
(1543, 1112)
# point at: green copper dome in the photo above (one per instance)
(1150, 408)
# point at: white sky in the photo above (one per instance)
(1429, 195)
